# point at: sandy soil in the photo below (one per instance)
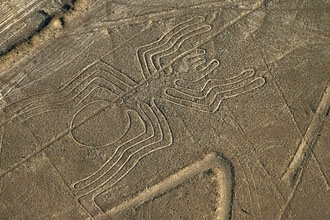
(165, 109)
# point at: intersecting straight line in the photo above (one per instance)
(293, 191)
(66, 184)
(293, 119)
(306, 146)
(286, 104)
(203, 41)
(53, 166)
(283, 98)
(272, 187)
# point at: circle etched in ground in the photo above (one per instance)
(97, 126)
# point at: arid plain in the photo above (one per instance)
(167, 109)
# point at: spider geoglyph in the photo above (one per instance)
(194, 85)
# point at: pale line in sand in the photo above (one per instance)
(305, 149)
(308, 141)
(224, 177)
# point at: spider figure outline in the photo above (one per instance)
(194, 87)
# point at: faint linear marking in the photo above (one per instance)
(276, 84)
(16, 31)
(224, 176)
(307, 143)
(229, 147)
(174, 12)
(212, 6)
(22, 12)
(290, 197)
(64, 182)
(2, 134)
(250, 155)
(295, 170)
(324, 176)
(4, 93)
(83, 46)
(256, 197)
(54, 167)
(285, 207)
(58, 173)
(17, 15)
(15, 80)
(2, 128)
(160, 14)
(203, 41)
(51, 163)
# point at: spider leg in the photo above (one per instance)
(204, 87)
(210, 98)
(158, 136)
(85, 185)
(82, 86)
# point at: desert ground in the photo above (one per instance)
(150, 110)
